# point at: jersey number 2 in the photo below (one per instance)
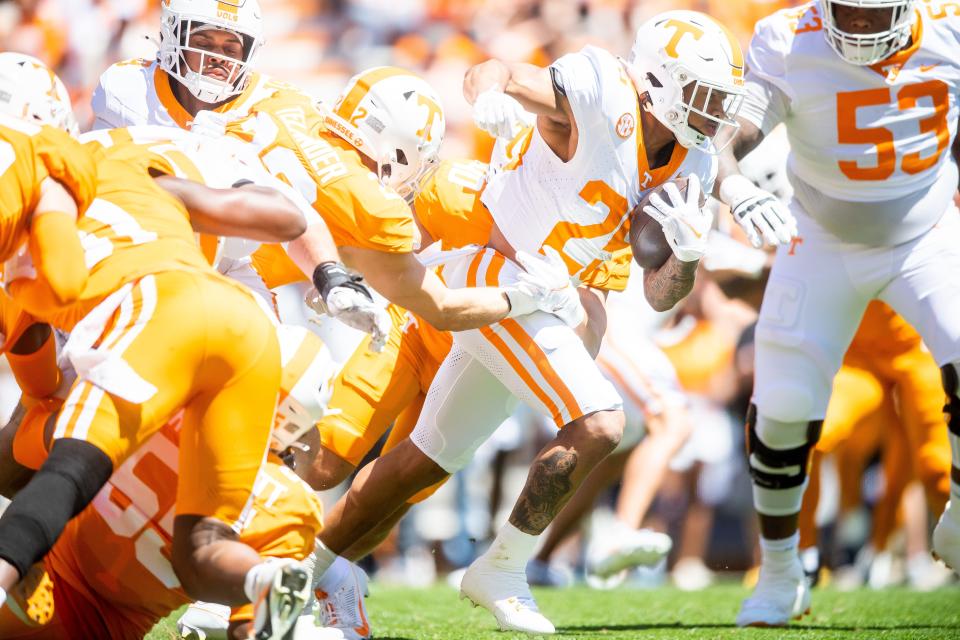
(882, 138)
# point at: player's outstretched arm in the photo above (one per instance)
(528, 84)
(401, 278)
(248, 211)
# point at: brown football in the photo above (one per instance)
(650, 248)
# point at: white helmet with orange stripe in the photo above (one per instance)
(691, 66)
(29, 90)
(395, 118)
(305, 384)
(211, 71)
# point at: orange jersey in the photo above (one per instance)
(295, 143)
(116, 552)
(28, 155)
(132, 228)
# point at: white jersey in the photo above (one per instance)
(580, 207)
(138, 92)
(870, 146)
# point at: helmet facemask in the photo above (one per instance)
(177, 35)
(707, 114)
(864, 49)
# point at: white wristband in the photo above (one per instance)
(3, 596)
(736, 188)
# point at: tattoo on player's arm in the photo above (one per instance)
(668, 285)
(548, 488)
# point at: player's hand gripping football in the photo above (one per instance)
(547, 284)
(498, 114)
(686, 225)
(762, 215)
(342, 295)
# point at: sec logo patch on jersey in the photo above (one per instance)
(625, 125)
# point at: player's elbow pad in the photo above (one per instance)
(58, 255)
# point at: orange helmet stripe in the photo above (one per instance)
(736, 50)
(346, 106)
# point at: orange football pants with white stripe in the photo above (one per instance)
(192, 341)
(535, 358)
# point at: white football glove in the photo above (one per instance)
(354, 309)
(686, 225)
(498, 114)
(762, 215)
(547, 286)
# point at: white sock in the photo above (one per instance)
(258, 576)
(512, 548)
(322, 558)
(333, 576)
(780, 553)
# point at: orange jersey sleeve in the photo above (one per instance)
(448, 205)
(69, 163)
(296, 146)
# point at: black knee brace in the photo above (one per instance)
(773, 468)
(65, 484)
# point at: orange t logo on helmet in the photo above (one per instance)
(433, 111)
(682, 29)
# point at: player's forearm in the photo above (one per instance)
(55, 245)
(529, 84)
(595, 326)
(315, 246)
(671, 283)
(491, 74)
(468, 308)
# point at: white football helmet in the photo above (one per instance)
(688, 63)
(395, 118)
(180, 19)
(869, 48)
(29, 90)
(305, 384)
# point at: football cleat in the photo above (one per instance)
(506, 595)
(634, 548)
(342, 607)
(946, 540)
(780, 595)
(278, 607)
(31, 600)
(204, 621)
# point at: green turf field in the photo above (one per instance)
(661, 614)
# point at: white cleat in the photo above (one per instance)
(946, 540)
(204, 621)
(506, 595)
(634, 548)
(778, 597)
(276, 611)
(342, 608)
(307, 629)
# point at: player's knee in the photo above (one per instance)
(786, 401)
(603, 429)
(779, 454)
(950, 374)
